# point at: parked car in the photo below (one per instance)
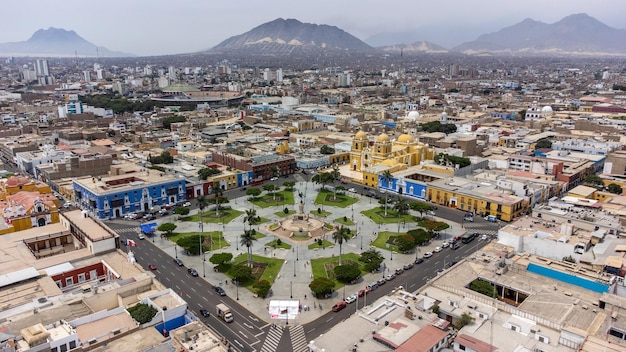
(178, 262)
(437, 249)
(428, 254)
(193, 272)
(381, 281)
(390, 277)
(407, 266)
(152, 267)
(187, 204)
(372, 286)
(364, 291)
(220, 291)
(399, 271)
(351, 190)
(344, 182)
(350, 299)
(339, 306)
(274, 178)
(419, 260)
(204, 312)
(445, 244)
(455, 245)
(141, 236)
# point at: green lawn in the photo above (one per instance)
(263, 220)
(271, 268)
(225, 215)
(282, 214)
(383, 238)
(378, 216)
(346, 222)
(282, 198)
(322, 267)
(326, 197)
(322, 214)
(216, 237)
(325, 244)
(275, 244)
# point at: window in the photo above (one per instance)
(63, 348)
(81, 277)
(461, 347)
(69, 281)
(72, 345)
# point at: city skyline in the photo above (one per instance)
(155, 28)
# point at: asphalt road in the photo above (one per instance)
(248, 332)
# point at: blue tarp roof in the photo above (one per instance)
(149, 227)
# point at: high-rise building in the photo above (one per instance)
(279, 75)
(100, 74)
(171, 73)
(87, 76)
(41, 67)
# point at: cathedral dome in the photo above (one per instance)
(405, 138)
(382, 138)
(360, 135)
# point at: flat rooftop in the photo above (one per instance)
(119, 183)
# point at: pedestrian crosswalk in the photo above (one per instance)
(481, 229)
(128, 230)
(273, 339)
(298, 339)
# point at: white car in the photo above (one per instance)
(274, 178)
(483, 237)
(352, 190)
(351, 298)
(437, 249)
(187, 204)
(428, 254)
(445, 244)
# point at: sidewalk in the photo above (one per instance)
(295, 274)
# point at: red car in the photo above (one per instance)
(344, 182)
(363, 292)
(152, 267)
(339, 306)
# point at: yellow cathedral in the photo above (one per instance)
(394, 155)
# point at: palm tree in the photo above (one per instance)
(275, 171)
(247, 239)
(401, 206)
(203, 202)
(251, 218)
(385, 178)
(342, 234)
(216, 189)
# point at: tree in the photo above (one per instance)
(206, 172)
(321, 286)
(182, 211)
(322, 178)
(324, 149)
(167, 227)
(262, 288)
(436, 126)
(339, 189)
(251, 217)
(372, 259)
(401, 206)
(420, 236)
(247, 239)
(142, 313)
(253, 192)
(385, 178)
(465, 319)
(405, 242)
(421, 207)
(342, 234)
(615, 188)
(275, 173)
(348, 272)
(593, 180)
(289, 185)
(483, 287)
(221, 258)
(241, 273)
(270, 188)
(543, 143)
(216, 189)
(192, 244)
(451, 160)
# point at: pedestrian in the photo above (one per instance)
(304, 296)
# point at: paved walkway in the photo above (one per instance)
(295, 274)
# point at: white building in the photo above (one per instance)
(41, 68)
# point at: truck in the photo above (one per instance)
(223, 312)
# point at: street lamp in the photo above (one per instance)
(361, 242)
(204, 265)
(294, 269)
(237, 285)
(175, 251)
(291, 289)
(296, 253)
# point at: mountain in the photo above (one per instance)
(421, 47)
(290, 36)
(578, 34)
(57, 42)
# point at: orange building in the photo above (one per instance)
(25, 203)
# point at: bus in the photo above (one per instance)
(468, 237)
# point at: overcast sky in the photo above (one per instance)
(156, 27)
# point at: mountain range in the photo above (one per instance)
(578, 34)
(57, 42)
(290, 36)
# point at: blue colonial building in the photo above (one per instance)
(403, 186)
(114, 196)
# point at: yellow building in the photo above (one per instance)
(475, 197)
(401, 153)
(25, 204)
